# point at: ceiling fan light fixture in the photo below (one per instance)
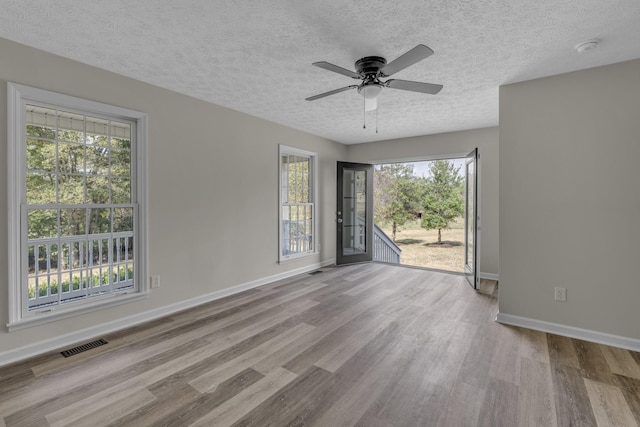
(370, 91)
(370, 94)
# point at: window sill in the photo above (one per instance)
(51, 314)
(297, 257)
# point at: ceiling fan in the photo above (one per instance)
(371, 69)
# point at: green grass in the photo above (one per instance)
(419, 247)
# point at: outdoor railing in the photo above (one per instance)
(384, 249)
(72, 267)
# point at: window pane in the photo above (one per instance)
(41, 122)
(122, 219)
(297, 172)
(31, 260)
(96, 127)
(121, 143)
(121, 131)
(71, 189)
(42, 223)
(78, 255)
(130, 251)
(41, 188)
(120, 163)
(94, 255)
(97, 140)
(42, 131)
(297, 229)
(53, 263)
(284, 179)
(286, 230)
(70, 158)
(41, 155)
(97, 160)
(71, 136)
(99, 221)
(97, 190)
(71, 126)
(105, 251)
(64, 258)
(72, 222)
(120, 190)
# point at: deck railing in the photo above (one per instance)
(384, 249)
(73, 267)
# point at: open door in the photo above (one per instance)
(354, 213)
(471, 219)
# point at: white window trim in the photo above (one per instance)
(284, 149)
(17, 97)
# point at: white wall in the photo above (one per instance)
(212, 188)
(569, 199)
(443, 145)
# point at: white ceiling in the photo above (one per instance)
(255, 56)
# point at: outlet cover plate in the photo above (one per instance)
(561, 294)
(155, 282)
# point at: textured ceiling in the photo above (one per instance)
(255, 56)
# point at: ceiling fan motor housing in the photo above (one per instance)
(369, 66)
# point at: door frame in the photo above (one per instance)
(471, 273)
(478, 179)
(341, 257)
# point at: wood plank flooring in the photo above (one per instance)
(366, 345)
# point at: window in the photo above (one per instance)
(76, 217)
(297, 203)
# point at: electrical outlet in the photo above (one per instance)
(561, 294)
(155, 281)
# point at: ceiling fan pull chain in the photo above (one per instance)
(364, 110)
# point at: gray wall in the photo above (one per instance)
(569, 199)
(213, 188)
(444, 145)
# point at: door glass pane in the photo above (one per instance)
(354, 212)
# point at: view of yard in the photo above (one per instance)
(420, 248)
(420, 206)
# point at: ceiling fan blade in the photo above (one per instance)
(336, 69)
(413, 86)
(407, 59)
(331, 92)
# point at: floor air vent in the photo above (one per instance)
(315, 272)
(84, 347)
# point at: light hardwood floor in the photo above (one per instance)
(370, 345)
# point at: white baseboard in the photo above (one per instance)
(570, 331)
(489, 276)
(41, 347)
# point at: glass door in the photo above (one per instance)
(471, 216)
(354, 213)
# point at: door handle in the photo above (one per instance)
(339, 220)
